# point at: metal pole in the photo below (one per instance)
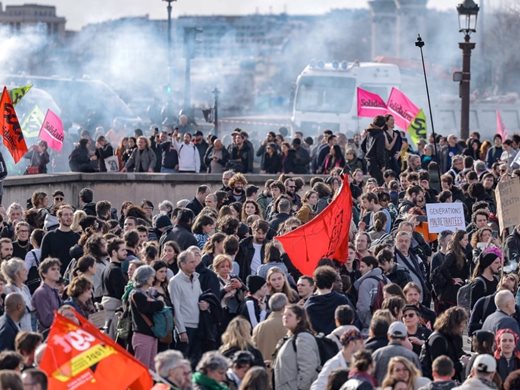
(420, 44)
(169, 59)
(215, 110)
(464, 88)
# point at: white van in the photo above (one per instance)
(325, 96)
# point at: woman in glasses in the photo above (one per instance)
(417, 333)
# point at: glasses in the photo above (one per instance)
(58, 199)
(409, 315)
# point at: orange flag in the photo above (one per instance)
(81, 357)
(11, 131)
(324, 236)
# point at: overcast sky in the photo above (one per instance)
(81, 12)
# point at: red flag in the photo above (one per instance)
(402, 108)
(80, 356)
(327, 235)
(501, 129)
(370, 104)
(11, 131)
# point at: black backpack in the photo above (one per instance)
(327, 348)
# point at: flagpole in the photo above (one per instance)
(420, 43)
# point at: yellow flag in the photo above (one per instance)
(32, 123)
(417, 128)
(18, 93)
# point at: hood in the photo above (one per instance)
(375, 272)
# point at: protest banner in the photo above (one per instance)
(10, 129)
(370, 104)
(327, 235)
(402, 108)
(52, 131)
(17, 94)
(417, 128)
(445, 216)
(79, 356)
(508, 202)
(32, 123)
(501, 128)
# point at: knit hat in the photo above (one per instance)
(487, 259)
(162, 221)
(254, 283)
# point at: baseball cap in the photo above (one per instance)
(397, 330)
(485, 363)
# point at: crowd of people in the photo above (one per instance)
(202, 293)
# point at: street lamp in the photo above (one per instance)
(468, 12)
(169, 103)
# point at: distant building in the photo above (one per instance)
(19, 17)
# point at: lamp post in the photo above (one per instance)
(169, 98)
(468, 12)
(215, 110)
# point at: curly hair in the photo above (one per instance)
(449, 321)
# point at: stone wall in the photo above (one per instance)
(116, 187)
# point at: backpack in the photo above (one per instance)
(162, 324)
(326, 347)
(425, 357)
(464, 293)
(438, 281)
(377, 299)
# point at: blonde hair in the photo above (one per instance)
(286, 289)
(221, 259)
(414, 372)
(77, 217)
(237, 335)
(10, 268)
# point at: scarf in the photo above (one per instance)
(201, 379)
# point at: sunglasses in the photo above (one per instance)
(409, 315)
(58, 198)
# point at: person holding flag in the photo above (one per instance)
(373, 146)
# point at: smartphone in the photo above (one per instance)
(494, 234)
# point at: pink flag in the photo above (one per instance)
(501, 129)
(402, 108)
(52, 131)
(370, 104)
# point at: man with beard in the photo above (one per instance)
(57, 243)
(96, 246)
(241, 153)
(6, 249)
(291, 190)
(395, 272)
(237, 192)
(252, 249)
(113, 280)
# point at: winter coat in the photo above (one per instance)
(141, 160)
(382, 357)
(297, 362)
(373, 145)
(209, 321)
(334, 363)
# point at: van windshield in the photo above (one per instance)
(325, 94)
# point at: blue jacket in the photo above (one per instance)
(8, 332)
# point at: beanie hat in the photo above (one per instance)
(254, 283)
(162, 221)
(487, 259)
